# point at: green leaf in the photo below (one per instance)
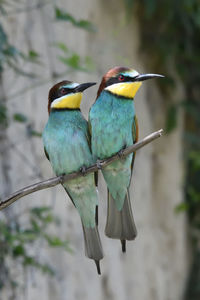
(75, 62)
(194, 194)
(184, 206)
(195, 160)
(36, 133)
(39, 211)
(35, 227)
(7, 52)
(19, 250)
(84, 24)
(55, 241)
(19, 117)
(11, 51)
(32, 132)
(44, 215)
(72, 61)
(33, 54)
(64, 16)
(3, 38)
(3, 115)
(31, 261)
(62, 47)
(46, 268)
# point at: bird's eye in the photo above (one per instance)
(62, 91)
(121, 78)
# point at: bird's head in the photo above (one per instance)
(67, 95)
(123, 82)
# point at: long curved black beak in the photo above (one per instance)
(143, 77)
(83, 86)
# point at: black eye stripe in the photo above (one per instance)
(114, 80)
(58, 93)
(128, 79)
(66, 90)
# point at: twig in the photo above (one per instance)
(63, 178)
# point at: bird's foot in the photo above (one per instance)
(83, 170)
(98, 163)
(63, 175)
(121, 153)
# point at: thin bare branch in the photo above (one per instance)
(63, 178)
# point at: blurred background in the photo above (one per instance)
(41, 245)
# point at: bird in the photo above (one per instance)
(113, 126)
(66, 142)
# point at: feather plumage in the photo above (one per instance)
(114, 127)
(66, 141)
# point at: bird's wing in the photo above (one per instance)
(135, 134)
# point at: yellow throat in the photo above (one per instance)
(71, 101)
(124, 89)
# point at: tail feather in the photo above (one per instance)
(120, 224)
(123, 243)
(97, 262)
(93, 247)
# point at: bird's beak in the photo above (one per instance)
(83, 86)
(143, 77)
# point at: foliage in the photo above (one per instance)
(8, 53)
(17, 242)
(73, 60)
(62, 15)
(3, 115)
(19, 117)
(170, 31)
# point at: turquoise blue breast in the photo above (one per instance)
(111, 120)
(65, 140)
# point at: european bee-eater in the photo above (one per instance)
(67, 146)
(114, 126)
